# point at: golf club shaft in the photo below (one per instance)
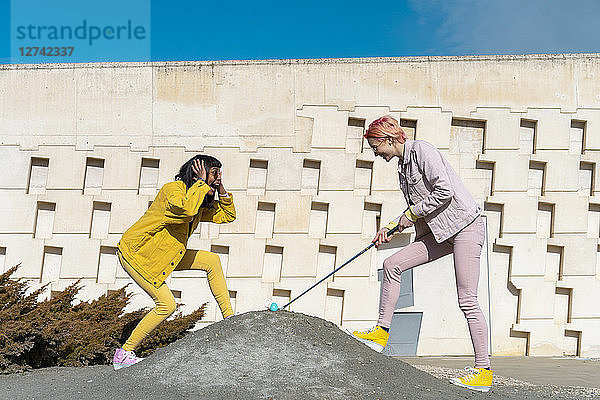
(390, 232)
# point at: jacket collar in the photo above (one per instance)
(407, 149)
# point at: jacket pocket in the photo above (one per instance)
(145, 238)
(416, 185)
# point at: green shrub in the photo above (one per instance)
(56, 333)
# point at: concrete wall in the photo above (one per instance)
(85, 147)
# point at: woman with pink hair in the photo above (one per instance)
(447, 220)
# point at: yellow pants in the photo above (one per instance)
(163, 297)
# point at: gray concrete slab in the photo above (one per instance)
(560, 371)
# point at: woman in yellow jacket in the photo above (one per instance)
(156, 244)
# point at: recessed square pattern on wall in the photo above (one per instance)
(257, 177)
(354, 135)
(363, 177)
(100, 220)
(311, 172)
(317, 227)
(527, 136)
(3, 267)
(586, 178)
(326, 261)
(371, 219)
(94, 176)
(38, 175)
(537, 172)
(44, 220)
(265, 219)
(272, 264)
(51, 263)
(108, 263)
(334, 306)
(148, 176)
(577, 137)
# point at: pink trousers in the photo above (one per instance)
(466, 248)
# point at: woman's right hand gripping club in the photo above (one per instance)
(382, 236)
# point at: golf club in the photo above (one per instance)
(274, 305)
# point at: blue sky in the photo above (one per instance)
(198, 30)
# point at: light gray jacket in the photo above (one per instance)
(435, 191)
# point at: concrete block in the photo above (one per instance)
(19, 163)
(299, 255)
(312, 303)
(251, 293)
(72, 211)
(285, 172)
(537, 298)
(99, 113)
(235, 166)
(265, 219)
(579, 254)
(121, 167)
(528, 254)
(17, 212)
(108, 265)
(245, 255)
(66, 168)
(584, 296)
(565, 219)
(552, 128)
(292, 212)
(363, 176)
(126, 208)
(246, 210)
(363, 307)
(22, 249)
(385, 175)
(337, 169)
(510, 170)
(344, 212)
(347, 247)
(433, 125)
(79, 255)
(42, 101)
(272, 264)
(519, 212)
(591, 117)
(562, 170)
(501, 128)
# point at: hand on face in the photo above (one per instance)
(198, 168)
(215, 181)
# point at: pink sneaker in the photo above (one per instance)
(124, 359)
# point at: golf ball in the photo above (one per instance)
(274, 307)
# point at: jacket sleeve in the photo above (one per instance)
(181, 205)
(222, 212)
(431, 164)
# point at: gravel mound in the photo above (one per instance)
(283, 355)
(257, 355)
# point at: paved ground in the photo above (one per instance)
(559, 371)
(264, 355)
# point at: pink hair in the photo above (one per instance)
(385, 127)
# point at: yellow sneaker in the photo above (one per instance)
(375, 338)
(479, 379)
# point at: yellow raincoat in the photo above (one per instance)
(156, 243)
